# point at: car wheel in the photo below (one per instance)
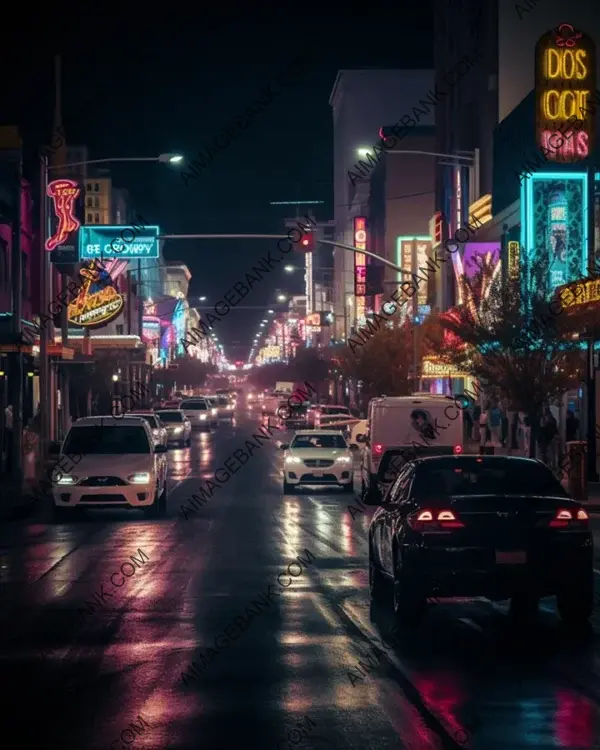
(63, 515)
(155, 510)
(575, 602)
(349, 488)
(410, 605)
(376, 579)
(288, 489)
(524, 606)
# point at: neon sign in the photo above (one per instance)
(64, 193)
(565, 78)
(96, 304)
(360, 265)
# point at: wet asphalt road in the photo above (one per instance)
(275, 667)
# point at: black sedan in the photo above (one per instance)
(468, 526)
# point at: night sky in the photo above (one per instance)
(141, 85)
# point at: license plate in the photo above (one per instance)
(511, 558)
(317, 472)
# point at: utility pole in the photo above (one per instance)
(46, 326)
(415, 316)
(591, 375)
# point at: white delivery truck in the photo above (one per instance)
(401, 428)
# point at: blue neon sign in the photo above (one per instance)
(127, 243)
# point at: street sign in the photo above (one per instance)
(103, 241)
(65, 254)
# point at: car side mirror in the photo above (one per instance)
(54, 448)
(160, 449)
(373, 496)
(284, 446)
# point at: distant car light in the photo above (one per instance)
(66, 479)
(293, 460)
(202, 417)
(343, 460)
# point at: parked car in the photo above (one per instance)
(119, 466)
(179, 429)
(499, 527)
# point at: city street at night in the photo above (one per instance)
(288, 674)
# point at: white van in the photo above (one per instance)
(404, 427)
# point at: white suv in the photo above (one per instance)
(317, 458)
(106, 462)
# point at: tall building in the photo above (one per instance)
(362, 102)
(98, 200)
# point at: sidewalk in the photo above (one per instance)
(16, 501)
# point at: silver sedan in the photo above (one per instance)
(179, 429)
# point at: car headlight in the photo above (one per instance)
(230, 406)
(202, 417)
(140, 477)
(213, 412)
(65, 479)
(177, 430)
(293, 460)
(343, 460)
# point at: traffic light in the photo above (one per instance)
(307, 242)
(374, 283)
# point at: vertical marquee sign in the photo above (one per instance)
(565, 79)
(64, 194)
(360, 266)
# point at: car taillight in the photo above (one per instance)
(457, 449)
(569, 518)
(378, 449)
(433, 520)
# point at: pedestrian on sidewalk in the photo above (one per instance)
(495, 425)
(548, 435)
(483, 427)
(476, 418)
(571, 427)
(8, 437)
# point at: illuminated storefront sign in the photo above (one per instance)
(64, 193)
(433, 368)
(404, 259)
(579, 293)
(565, 78)
(554, 225)
(97, 303)
(514, 260)
(481, 209)
(103, 241)
(360, 266)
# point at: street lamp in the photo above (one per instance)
(290, 269)
(281, 298)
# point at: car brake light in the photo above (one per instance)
(434, 520)
(457, 449)
(378, 449)
(565, 518)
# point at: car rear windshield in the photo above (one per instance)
(103, 439)
(150, 418)
(171, 416)
(319, 441)
(194, 405)
(335, 410)
(478, 477)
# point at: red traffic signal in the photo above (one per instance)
(307, 243)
